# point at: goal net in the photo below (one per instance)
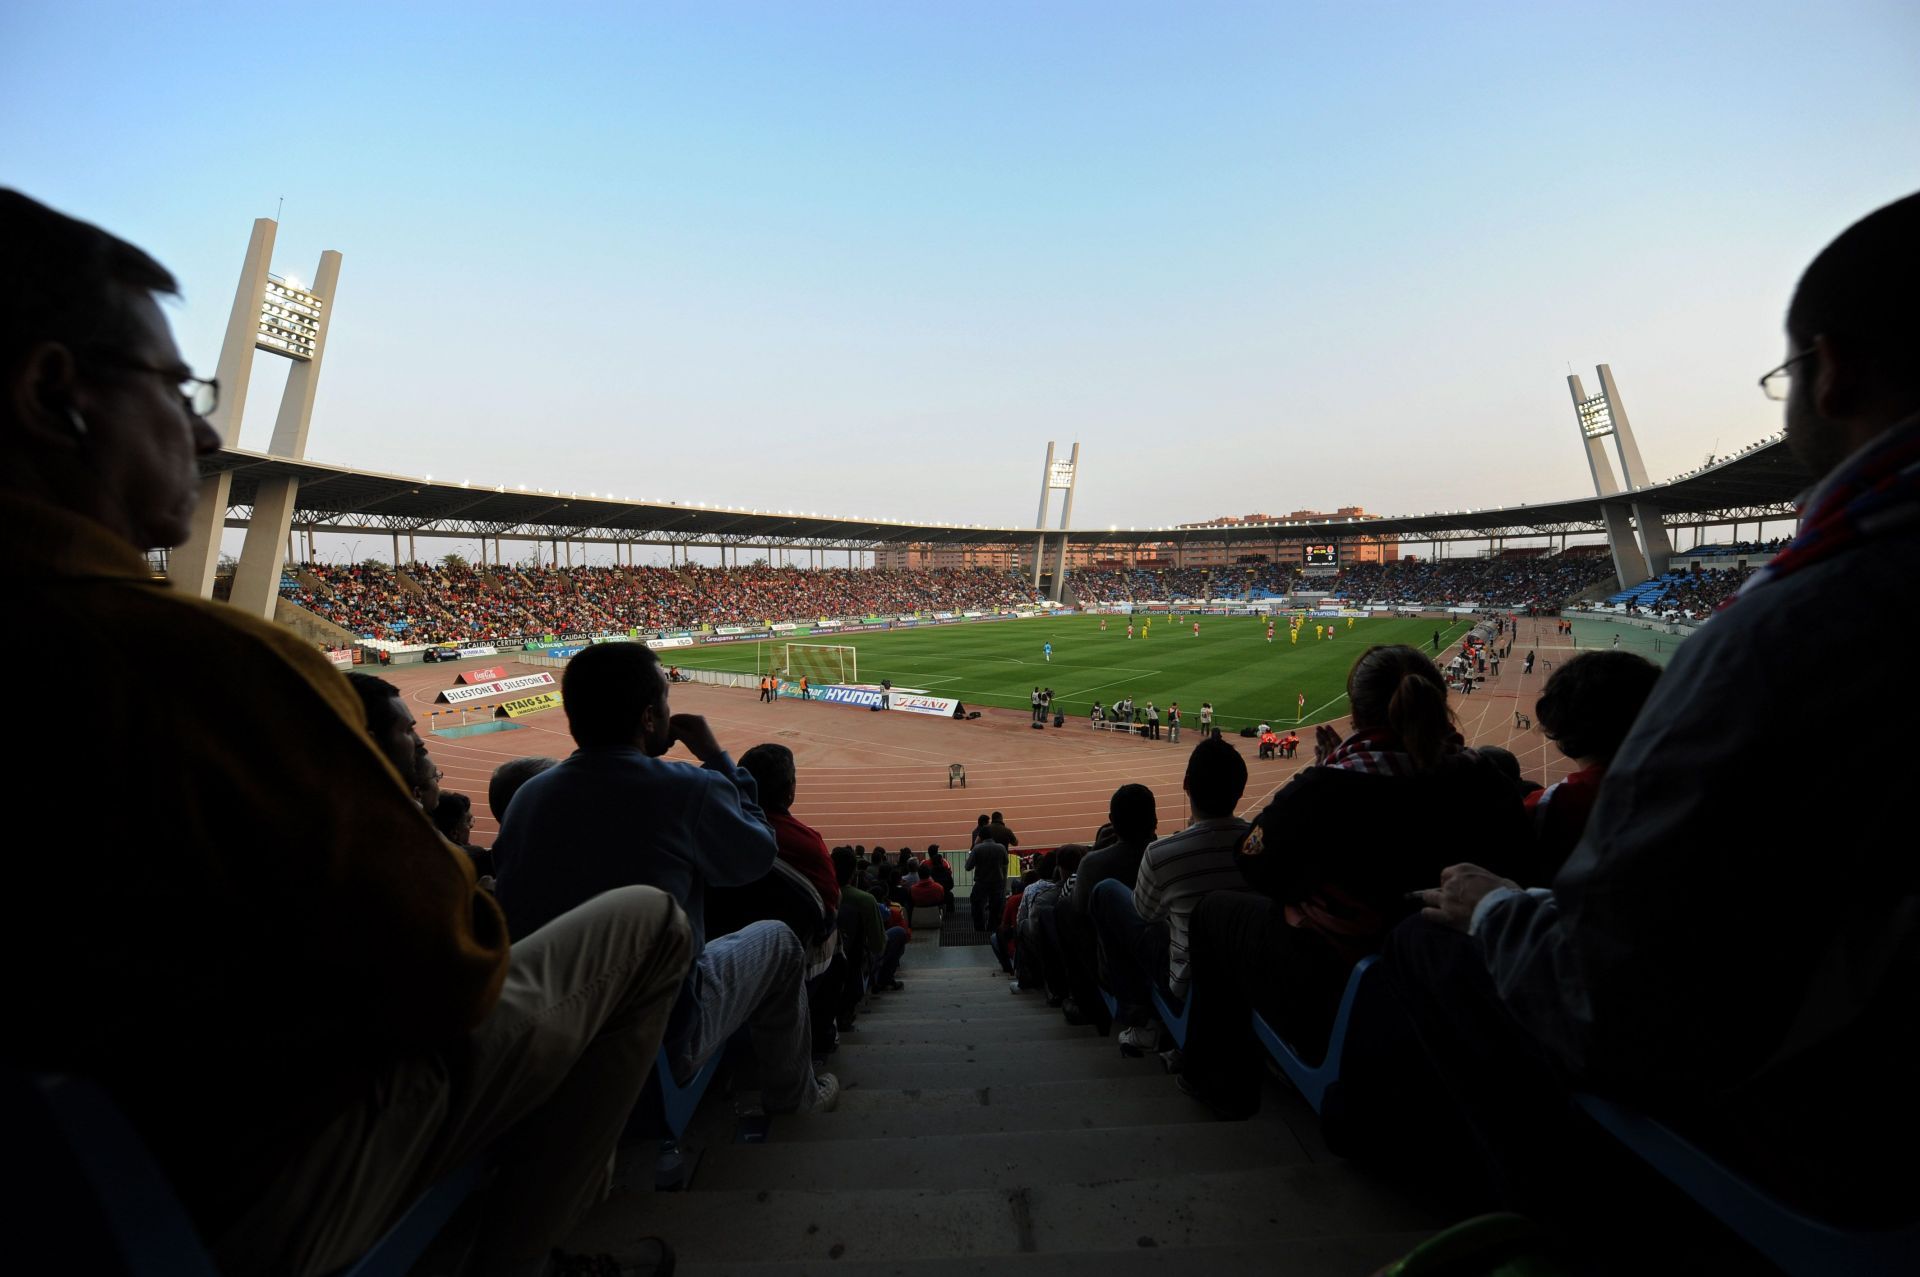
(820, 662)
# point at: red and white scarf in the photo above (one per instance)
(1874, 493)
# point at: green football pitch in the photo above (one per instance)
(999, 663)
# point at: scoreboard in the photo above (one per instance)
(1323, 556)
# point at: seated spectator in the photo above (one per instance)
(1041, 885)
(1269, 743)
(798, 845)
(1586, 709)
(1290, 745)
(453, 817)
(790, 892)
(571, 834)
(1132, 819)
(1143, 927)
(1004, 940)
(926, 891)
(942, 874)
(1330, 861)
(507, 779)
(899, 931)
(1507, 765)
(1692, 956)
(862, 930)
(800, 890)
(396, 733)
(1036, 926)
(306, 1009)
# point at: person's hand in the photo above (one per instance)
(1326, 739)
(1461, 889)
(692, 731)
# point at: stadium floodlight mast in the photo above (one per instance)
(1055, 476)
(284, 317)
(1600, 417)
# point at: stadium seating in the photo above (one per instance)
(99, 1201)
(456, 602)
(1545, 584)
(1800, 1246)
(1681, 595)
(1238, 581)
(1314, 1081)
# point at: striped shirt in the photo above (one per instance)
(1179, 869)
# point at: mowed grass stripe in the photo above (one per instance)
(1231, 664)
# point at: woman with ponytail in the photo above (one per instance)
(1378, 814)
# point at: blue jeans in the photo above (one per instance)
(1134, 950)
(890, 958)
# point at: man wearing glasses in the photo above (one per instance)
(1734, 945)
(263, 951)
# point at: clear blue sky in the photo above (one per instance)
(869, 258)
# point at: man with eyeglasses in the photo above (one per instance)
(305, 1004)
(1734, 945)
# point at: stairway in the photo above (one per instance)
(978, 1132)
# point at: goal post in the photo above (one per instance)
(821, 662)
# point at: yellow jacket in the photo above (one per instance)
(227, 906)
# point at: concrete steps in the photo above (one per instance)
(1355, 1255)
(1248, 1208)
(1080, 1104)
(978, 1131)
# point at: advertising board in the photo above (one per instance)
(480, 691)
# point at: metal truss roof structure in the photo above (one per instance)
(1760, 482)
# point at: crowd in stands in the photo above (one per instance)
(369, 600)
(311, 1006)
(1732, 549)
(1692, 596)
(1111, 585)
(457, 602)
(1541, 584)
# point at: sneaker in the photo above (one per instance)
(1141, 1040)
(1013, 986)
(651, 1257)
(828, 1098)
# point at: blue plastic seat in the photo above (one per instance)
(90, 1164)
(1800, 1245)
(1314, 1081)
(1176, 1024)
(665, 1105)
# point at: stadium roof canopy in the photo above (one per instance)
(1759, 482)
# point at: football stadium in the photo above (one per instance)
(487, 877)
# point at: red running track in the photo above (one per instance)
(881, 779)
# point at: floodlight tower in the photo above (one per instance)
(1602, 416)
(282, 317)
(1054, 475)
